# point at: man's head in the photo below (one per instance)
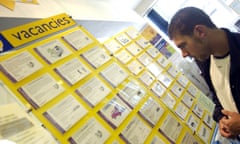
(189, 29)
(184, 21)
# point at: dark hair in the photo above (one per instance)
(184, 21)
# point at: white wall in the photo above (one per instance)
(112, 10)
(103, 18)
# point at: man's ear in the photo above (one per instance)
(199, 31)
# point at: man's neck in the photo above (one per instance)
(220, 45)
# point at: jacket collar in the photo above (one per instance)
(234, 46)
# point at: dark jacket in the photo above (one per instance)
(234, 46)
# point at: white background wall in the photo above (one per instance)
(103, 18)
(113, 10)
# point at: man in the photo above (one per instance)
(218, 54)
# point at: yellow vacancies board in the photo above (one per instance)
(121, 91)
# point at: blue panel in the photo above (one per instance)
(4, 45)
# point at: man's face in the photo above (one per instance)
(192, 46)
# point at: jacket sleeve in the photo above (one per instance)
(217, 114)
(205, 68)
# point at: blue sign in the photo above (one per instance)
(4, 45)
